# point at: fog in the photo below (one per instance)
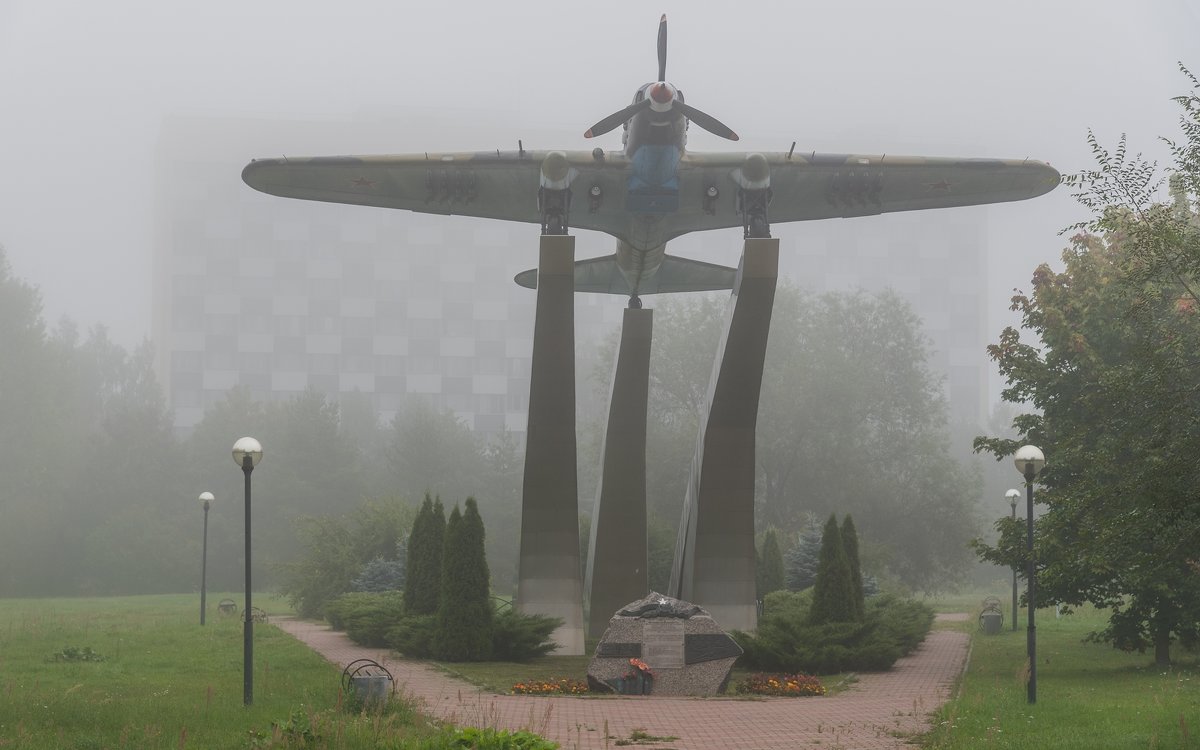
(86, 86)
(90, 92)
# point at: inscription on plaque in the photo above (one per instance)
(662, 643)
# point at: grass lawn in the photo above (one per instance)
(1089, 696)
(164, 681)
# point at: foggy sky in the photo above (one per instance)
(84, 88)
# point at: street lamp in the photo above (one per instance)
(206, 498)
(247, 452)
(1013, 496)
(1029, 462)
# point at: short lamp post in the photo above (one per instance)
(247, 452)
(206, 499)
(1013, 496)
(1029, 461)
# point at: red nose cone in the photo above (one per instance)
(661, 93)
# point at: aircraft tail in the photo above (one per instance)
(602, 276)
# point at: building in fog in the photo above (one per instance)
(280, 296)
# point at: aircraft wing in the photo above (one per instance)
(492, 184)
(824, 186)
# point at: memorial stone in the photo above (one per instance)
(663, 646)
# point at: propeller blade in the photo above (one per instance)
(617, 118)
(706, 121)
(662, 48)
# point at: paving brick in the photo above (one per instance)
(876, 712)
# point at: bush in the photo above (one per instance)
(381, 574)
(786, 640)
(338, 548)
(789, 604)
(413, 636)
(366, 616)
(470, 738)
(521, 637)
(516, 637)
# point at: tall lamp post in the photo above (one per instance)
(1029, 461)
(1013, 496)
(247, 452)
(206, 499)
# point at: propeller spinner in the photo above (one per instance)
(662, 97)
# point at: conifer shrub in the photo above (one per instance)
(788, 641)
(770, 575)
(790, 604)
(413, 636)
(464, 614)
(366, 616)
(521, 637)
(423, 561)
(850, 544)
(800, 562)
(834, 591)
(380, 574)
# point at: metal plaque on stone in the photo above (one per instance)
(662, 643)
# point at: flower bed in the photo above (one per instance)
(561, 686)
(790, 685)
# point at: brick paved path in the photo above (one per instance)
(868, 715)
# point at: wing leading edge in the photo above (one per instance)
(492, 185)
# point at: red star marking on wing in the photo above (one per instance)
(364, 182)
(939, 186)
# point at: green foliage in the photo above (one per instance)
(413, 636)
(834, 594)
(515, 637)
(424, 558)
(464, 613)
(75, 653)
(789, 641)
(472, 738)
(788, 604)
(520, 637)
(380, 575)
(337, 549)
(770, 564)
(365, 616)
(850, 543)
(1112, 380)
(802, 559)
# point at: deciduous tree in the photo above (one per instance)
(1114, 386)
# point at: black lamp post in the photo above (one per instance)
(1013, 496)
(206, 498)
(1029, 461)
(247, 452)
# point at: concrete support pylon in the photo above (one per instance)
(616, 566)
(714, 554)
(548, 576)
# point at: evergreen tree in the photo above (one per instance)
(801, 566)
(770, 564)
(850, 544)
(424, 559)
(833, 593)
(464, 614)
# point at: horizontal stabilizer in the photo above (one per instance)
(603, 276)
